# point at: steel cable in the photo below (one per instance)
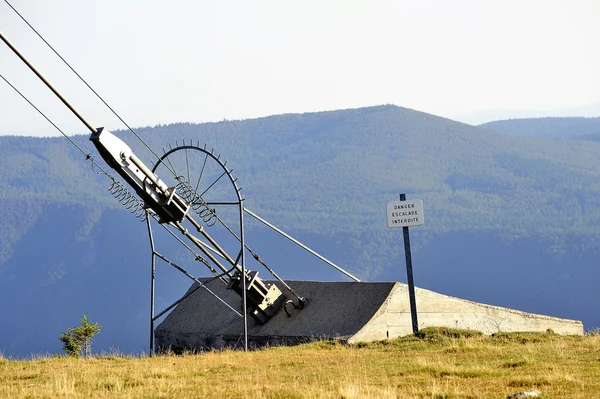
(117, 189)
(88, 86)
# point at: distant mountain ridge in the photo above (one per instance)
(548, 128)
(484, 116)
(511, 221)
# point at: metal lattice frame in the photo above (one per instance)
(209, 219)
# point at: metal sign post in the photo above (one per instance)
(403, 214)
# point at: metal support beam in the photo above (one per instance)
(243, 259)
(409, 276)
(153, 275)
(292, 239)
(43, 79)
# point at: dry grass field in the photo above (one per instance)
(439, 363)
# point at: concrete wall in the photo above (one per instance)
(348, 311)
(393, 319)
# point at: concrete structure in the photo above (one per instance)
(348, 311)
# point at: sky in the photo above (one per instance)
(158, 62)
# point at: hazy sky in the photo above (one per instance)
(158, 62)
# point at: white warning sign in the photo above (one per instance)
(405, 213)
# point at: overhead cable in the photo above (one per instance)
(86, 83)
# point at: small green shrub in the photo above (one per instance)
(443, 333)
(77, 341)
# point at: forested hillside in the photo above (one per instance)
(547, 128)
(509, 220)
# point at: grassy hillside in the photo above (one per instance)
(438, 363)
